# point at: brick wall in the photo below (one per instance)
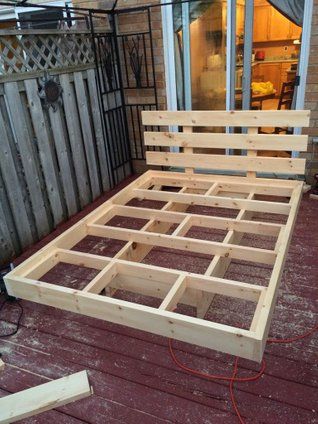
(311, 97)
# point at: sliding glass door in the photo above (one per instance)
(200, 54)
(209, 52)
(199, 34)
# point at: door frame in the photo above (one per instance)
(303, 61)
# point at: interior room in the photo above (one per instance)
(276, 48)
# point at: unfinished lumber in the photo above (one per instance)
(170, 205)
(217, 118)
(42, 398)
(226, 141)
(214, 201)
(221, 162)
(1, 364)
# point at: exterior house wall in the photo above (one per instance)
(311, 98)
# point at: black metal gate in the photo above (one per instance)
(124, 64)
(112, 102)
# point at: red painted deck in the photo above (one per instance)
(133, 376)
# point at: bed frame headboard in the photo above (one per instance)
(257, 145)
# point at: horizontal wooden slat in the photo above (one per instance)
(135, 270)
(250, 118)
(197, 179)
(253, 227)
(225, 287)
(178, 179)
(234, 163)
(184, 243)
(214, 201)
(227, 141)
(235, 341)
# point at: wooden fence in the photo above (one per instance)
(52, 163)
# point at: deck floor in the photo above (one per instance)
(132, 374)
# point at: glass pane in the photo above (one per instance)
(207, 22)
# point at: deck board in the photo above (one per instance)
(131, 371)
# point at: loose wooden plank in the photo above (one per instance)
(214, 201)
(227, 141)
(13, 188)
(64, 159)
(76, 140)
(88, 138)
(98, 129)
(28, 157)
(231, 162)
(1, 365)
(250, 118)
(44, 397)
(50, 171)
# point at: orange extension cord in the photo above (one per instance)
(234, 377)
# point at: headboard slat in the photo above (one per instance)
(252, 151)
(227, 141)
(223, 162)
(217, 118)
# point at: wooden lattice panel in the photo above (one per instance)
(170, 205)
(24, 51)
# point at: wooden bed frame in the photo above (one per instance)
(246, 194)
